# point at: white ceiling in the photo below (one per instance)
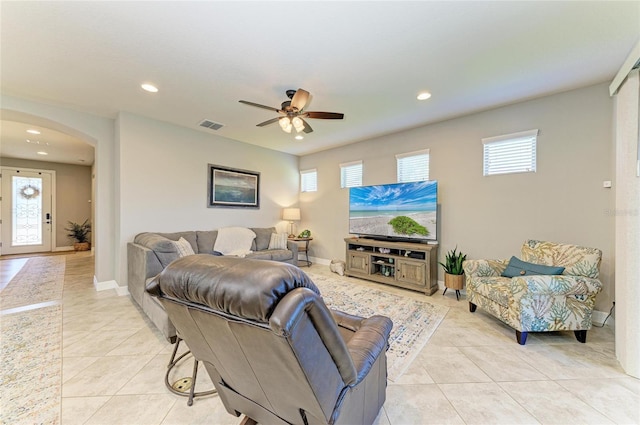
(367, 60)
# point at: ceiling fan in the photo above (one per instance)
(293, 113)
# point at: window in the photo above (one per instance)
(511, 153)
(309, 180)
(351, 174)
(413, 166)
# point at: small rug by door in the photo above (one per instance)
(414, 321)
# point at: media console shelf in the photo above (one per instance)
(404, 264)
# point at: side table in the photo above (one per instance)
(303, 248)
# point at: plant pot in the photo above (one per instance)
(81, 246)
(454, 281)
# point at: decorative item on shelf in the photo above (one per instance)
(80, 234)
(384, 250)
(291, 215)
(453, 271)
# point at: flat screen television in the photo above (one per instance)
(397, 211)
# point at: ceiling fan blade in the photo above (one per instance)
(271, 121)
(259, 106)
(300, 99)
(307, 127)
(324, 115)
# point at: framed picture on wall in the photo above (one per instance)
(233, 188)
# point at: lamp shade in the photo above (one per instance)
(291, 214)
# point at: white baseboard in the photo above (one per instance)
(110, 284)
(316, 260)
(599, 317)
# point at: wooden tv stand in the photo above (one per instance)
(406, 264)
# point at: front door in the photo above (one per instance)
(26, 211)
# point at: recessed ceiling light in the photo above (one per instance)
(424, 95)
(42, 153)
(32, 131)
(299, 137)
(149, 87)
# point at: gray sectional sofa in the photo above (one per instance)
(150, 253)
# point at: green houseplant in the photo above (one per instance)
(80, 234)
(453, 271)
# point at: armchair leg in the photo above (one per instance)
(472, 307)
(581, 336)
(521, 337)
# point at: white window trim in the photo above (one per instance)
(401, 156)
(513, 137)
(346, 166)
(302, 174)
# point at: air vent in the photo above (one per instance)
(211, 124)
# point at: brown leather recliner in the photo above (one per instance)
(273, 349)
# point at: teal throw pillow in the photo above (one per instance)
(517, 267)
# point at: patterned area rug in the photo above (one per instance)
(31, 344)
(40, 279)
(414, 321)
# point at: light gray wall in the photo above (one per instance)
(163, 173)
(73, 193)
(490, 217)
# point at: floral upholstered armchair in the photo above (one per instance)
(532, 302)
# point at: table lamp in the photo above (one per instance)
(291, 215)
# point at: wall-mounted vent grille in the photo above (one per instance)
(211, 124)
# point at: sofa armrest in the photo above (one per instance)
(484, 268)
(554, 285)
(142, 264)
(293, 247)
(368, 343)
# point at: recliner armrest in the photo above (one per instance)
(368, 343)
(346, 320)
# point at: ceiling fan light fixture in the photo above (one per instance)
(285, 124)
(298, 124)
(424, 95)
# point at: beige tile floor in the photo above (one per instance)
(470, 372)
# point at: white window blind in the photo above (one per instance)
(511, 153)
(351, 174)
(309, 180)
(413, 166)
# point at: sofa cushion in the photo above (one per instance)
(189, 236)
(184, 247)
(206, 240)
(517, 267)
(234, 240)
(278, 241)
(263, 236)
(271, 254)
(281, 254)
(164, 248)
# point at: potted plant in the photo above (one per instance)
(80, 234)
(453, 271)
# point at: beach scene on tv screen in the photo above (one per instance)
(403, 210)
